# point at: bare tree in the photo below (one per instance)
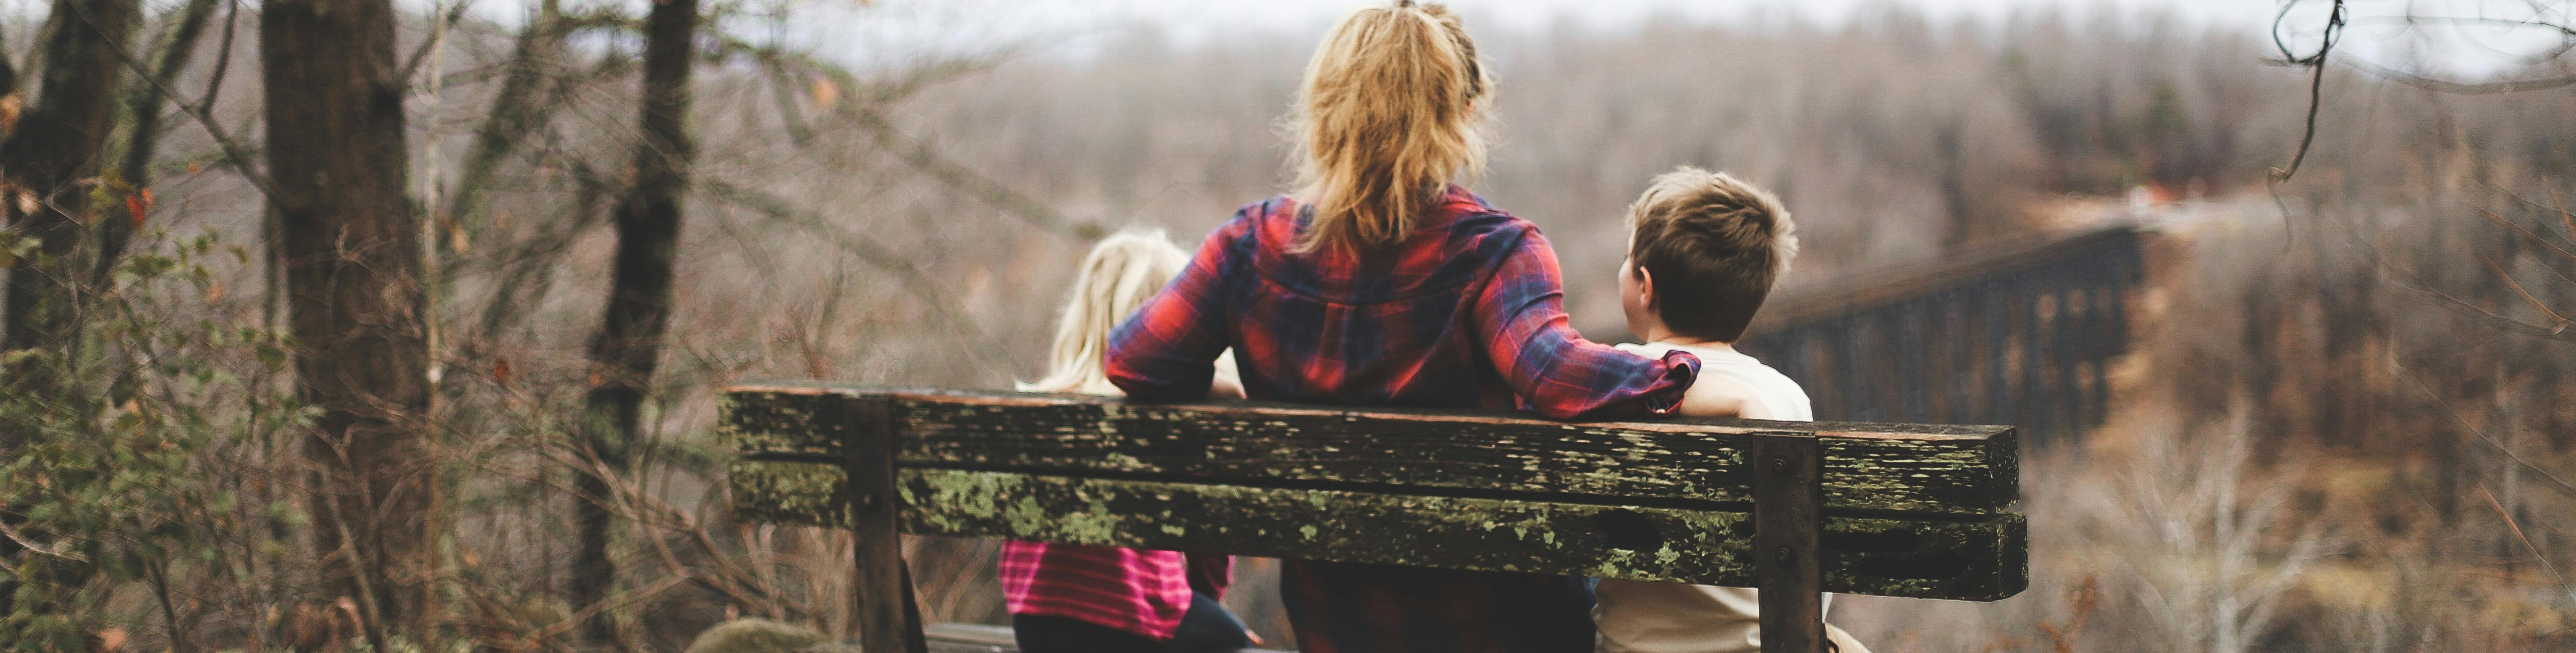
(629, 341)
(353, 260)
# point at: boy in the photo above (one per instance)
(1703, 252)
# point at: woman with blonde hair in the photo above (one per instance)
(1068, 598)
(1382, 282)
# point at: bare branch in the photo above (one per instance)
(2458, 88)
(2517, 288)
(2316, 81)
(2555, 483)
(232, 148)
(223, 56)
(926, 158)
(2509, 522)
(437, 36)
(516, 111)
(2544, 242)
(869, 251)
(2473, 311)
(60, 549)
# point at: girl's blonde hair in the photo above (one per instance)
(1388, 116)
(1122, 272)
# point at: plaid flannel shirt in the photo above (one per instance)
(1466, 312)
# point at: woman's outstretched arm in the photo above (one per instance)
(1520, 316)
(1168, 349)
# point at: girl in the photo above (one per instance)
(1383, 283)
(1085, 599)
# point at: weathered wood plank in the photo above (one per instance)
(1977, 558)
(1788, 534)
(1964, 470)
(880, 585)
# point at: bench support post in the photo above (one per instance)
(1788, 534)
(888, 620)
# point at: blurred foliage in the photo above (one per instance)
(120, 477)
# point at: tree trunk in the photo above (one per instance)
(639, 298)
(56, 145)
(352, 253)
(48, 150)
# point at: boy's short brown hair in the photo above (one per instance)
(1714, 246)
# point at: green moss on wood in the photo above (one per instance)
(1891, 467)
(1973, 560)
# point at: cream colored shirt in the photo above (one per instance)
(1646, 617)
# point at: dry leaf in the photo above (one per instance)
(26, 201)
(501, 370)
(111, 640)
(826, 94)
(214, 292)
(194, 167)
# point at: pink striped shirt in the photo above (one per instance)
(1133, 590)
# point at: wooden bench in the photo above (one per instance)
(1792, 508)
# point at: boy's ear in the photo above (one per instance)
(1645, 287)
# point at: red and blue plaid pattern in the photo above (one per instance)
(1467, 312)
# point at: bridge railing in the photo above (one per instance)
(2016, 333)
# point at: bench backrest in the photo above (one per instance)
(1908, 510)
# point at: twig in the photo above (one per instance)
(2517, 226)
(2555, 483)
(923, 156)
(2526, 295)
(630, 596)
(58, 550)
(868, 112)
(232, 148)
(876, 254)
(223, 56)
(2460, 88)
(2526, 542)
(437, 35)
(160, 576)
(2404, 279)
(2316, 82)
(2463, 308)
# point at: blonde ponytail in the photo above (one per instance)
(1389, 115)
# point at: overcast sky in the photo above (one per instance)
(912, 26)
(904, 29)
(1526, 14)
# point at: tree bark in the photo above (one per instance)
(56, 145)
(629, 341)
(49, 150)
(350, 240)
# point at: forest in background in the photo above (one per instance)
(2344, 426)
